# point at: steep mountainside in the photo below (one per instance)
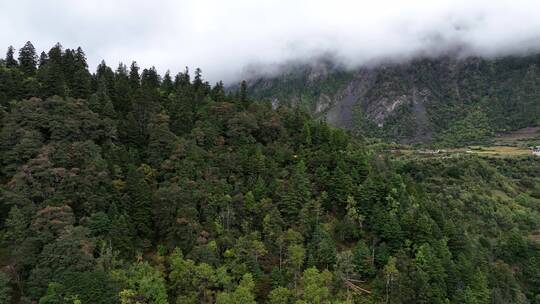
(131, 187)
(426, 100)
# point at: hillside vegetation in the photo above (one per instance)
(130, 187)
(446, 101)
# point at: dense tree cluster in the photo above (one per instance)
(465, 101)
(124, 186)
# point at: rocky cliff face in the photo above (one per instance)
(415, 101)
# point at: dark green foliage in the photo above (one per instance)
(139, 201)
(71, 251)
(167, 85)
(100, 102)
(297, 192)
(5, 288)
(122, 88)
(10, 60)
(79, 79)
(134, 77)
(88, 287)
(141, 189)
(43, 58)
(28, 59)
(51, 75)
(363, 259)
(150, 78)
(242, 95)
(12, 85)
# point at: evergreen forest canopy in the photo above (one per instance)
(124, 186)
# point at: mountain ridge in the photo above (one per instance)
(412, 102)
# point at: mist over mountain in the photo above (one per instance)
(225, 38)
(436, 100)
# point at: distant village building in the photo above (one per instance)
(536, 150)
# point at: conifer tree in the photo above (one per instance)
(52, 74)
(43, 58)
(10, 58)
(298, 192)
(145, 106)
(106, 74)
(122, 87)
(55, 54)
(362, 258)
(100, 102)
(81, 85)
(150, 78)
(197, 80)
(68, 64)
(139, 201)
(80, 59)
(134, 77)
(28, 59)
(218, 92)
(80, 80)
(161, 140)
(182, 80)
(243, 93)
(53, 81)
(122, 233)
(167, 85)
(342, 186)
(322, 249)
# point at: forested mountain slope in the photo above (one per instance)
(128, 187)
(425, 100)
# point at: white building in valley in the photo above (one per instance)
(536, 150)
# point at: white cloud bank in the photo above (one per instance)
(224, 36)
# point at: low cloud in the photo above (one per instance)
(227, 38)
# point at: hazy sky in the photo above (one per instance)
(224, 36)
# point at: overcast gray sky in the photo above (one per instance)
(224, 36)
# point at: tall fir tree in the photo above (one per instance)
(182, 80)
(150, 78)
(122, 100)
(243, 94)
(68, 62)
(43, 59)
(218, 92)
(28, 59)
(197, 80)
(139, 203)
(134, 77)
(11, 62)
(100, 102)
(55, 54)
(81, 84)
(52, 74)
(106, 74)
(80, 59)
(298, 192)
